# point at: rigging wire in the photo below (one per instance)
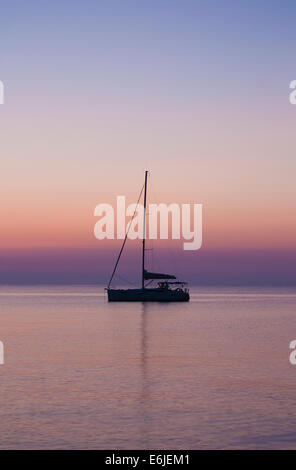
(126, 280)
(171, 254)
(125, 238)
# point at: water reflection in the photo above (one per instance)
(145, 395)
(84, 374)
(144, 340)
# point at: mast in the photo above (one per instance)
(144, 230)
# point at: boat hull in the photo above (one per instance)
(147, 295)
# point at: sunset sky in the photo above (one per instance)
(195, 91)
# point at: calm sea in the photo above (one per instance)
(81, 373)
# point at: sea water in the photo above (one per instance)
(82, 373)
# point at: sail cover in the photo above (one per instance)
(148, 275)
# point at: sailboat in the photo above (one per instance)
(168, 289)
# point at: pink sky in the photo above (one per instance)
(206, 111)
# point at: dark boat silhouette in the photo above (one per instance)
(168, 289)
